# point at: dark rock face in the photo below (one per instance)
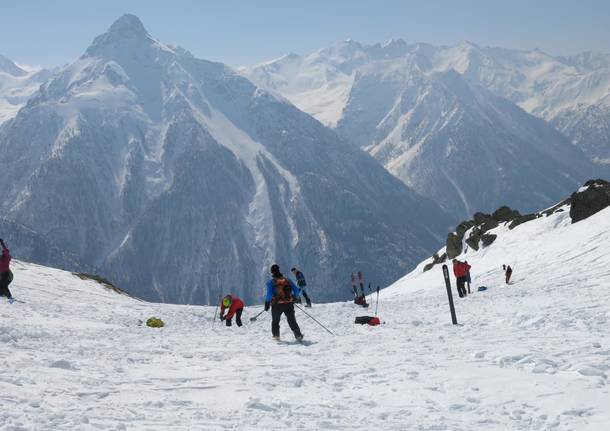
(436, 259)
(504, 213)
(522, 219)
(593, 199)
(454, 245)
(480, 224)
(487, 239)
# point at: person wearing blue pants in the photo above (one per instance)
(301, 283)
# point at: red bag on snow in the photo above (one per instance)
(374, 321)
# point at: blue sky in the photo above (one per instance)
(244, 32)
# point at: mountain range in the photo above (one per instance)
(474, 127)
(180, 180)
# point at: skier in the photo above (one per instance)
(301, 283)
(508, 271)
(281, 292)
(459, 270)
(5, 273)
(468, 279)
(235, 307)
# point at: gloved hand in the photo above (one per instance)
(222, 318)
(267, 305)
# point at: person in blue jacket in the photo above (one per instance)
(281, 292)
(302, 284)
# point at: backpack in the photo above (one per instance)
(367, 320)
(283, 290)
(363, 320)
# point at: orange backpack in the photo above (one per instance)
(283, 290)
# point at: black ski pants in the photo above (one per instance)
(4, 285)
(460, 281)
(276, 314)
(237, 317)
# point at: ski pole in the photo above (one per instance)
(377, 304)
(253, 319)
(312, 318)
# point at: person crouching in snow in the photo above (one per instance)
(234, 307)
(281, 292)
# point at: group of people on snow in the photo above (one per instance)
(461, 270)
(280, 296)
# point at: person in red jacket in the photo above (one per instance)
(234, 307)
(5, 272)
(460, 270)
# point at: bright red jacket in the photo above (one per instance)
(236, 304)
(5, 260)
(460, 269)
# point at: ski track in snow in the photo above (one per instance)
(534, 355)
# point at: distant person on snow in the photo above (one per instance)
(508, 271)
(301, 283)
(281, 292)
(5, 273)
(460, 269)
(468, 279)
(235, 307)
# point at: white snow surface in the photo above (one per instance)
(533, 355)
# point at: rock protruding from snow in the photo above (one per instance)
(593, 197)
(474, 234)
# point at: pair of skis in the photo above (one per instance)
(359, 298)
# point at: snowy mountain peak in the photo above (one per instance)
(127, 31)
(8, 66)
(128, 26)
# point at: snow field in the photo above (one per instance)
(532, 355)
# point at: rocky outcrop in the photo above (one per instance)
(435, 259)
(593, 197)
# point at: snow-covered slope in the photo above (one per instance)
(553, 88)
(179, 178)
(528, 356)
(438, 130)
(17, 86)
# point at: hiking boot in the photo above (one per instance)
(276, 337)
(308, 305)
(299, 337)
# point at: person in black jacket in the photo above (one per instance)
(302, 284)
